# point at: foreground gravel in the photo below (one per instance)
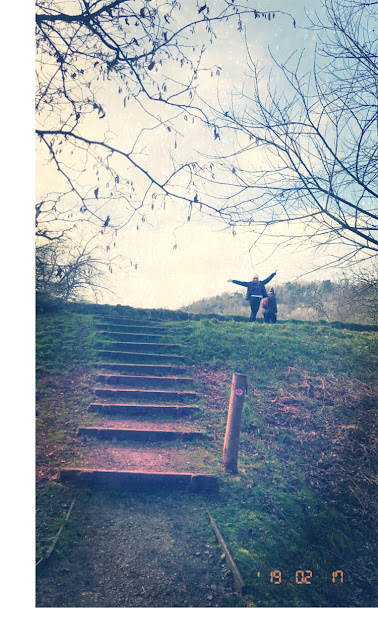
(136, 551)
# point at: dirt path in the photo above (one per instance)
(137, 551)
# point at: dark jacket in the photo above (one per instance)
(272, 304)
(249, 285)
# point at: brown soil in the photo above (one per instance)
(145, 424)
(148, 457)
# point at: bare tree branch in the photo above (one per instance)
(306, 154)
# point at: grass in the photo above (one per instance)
(304, 498)
(64, 340)
(264, 350)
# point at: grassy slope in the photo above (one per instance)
(304, 497)
(64, 353)
(64, 340)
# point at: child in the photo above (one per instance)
(270, 311)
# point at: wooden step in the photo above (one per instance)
(139, 480)
(130, 336)
(143, 409)
(128, 380)
(142, 368)
(132, 434)
(129, 326)
(138, 346)
(145, 394)
(116, 318)
(118, 327)
(140, 357)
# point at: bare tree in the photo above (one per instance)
(71, 271)
(149, 54)
(305, 159)
(356, 295)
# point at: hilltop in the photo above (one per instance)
(306, 301)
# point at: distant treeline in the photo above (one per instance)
(308, 301)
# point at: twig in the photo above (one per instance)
(239, 583)
(52, 547)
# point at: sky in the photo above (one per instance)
(207, 255)
(178, 262)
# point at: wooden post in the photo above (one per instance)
(231, 440)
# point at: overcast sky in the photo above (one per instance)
(205, 257)
(205, 254)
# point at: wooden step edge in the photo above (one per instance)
(108, 378)
(160, 407)
(134, 434)
(140, 367)
(128, 318)
(142, 354)
(140, 479)
(112, 321)
(142, 343)
(146, 391)
(122, 329)
(127, 334)
(128, 327)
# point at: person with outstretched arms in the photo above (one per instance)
(256, 291)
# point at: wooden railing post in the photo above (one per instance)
(231, 439)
